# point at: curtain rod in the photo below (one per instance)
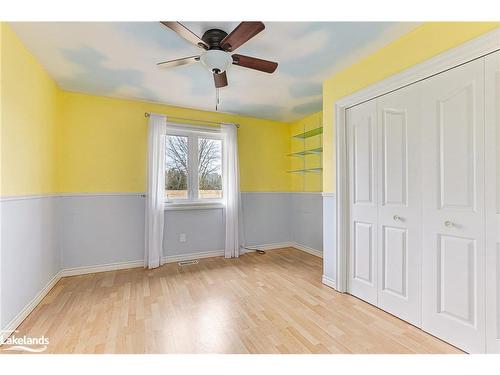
(147, 114)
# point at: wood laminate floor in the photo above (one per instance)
(272, 303)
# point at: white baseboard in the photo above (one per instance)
(218, 253)
(192, 256)
(280, 245)
(307, 249)
(179, 258)
(19, 318)
(101, 268)
(328, 282)
(266, 247)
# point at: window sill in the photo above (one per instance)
(193, 206)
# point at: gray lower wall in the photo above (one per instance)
(101, 229)
(306, 219)
(204, 230)
(30, 257)
(266, 218)
(330, 236)
(42, 236)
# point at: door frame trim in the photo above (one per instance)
(468, 51)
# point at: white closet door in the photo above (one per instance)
(362, 148)
(399, 216)
(492, 172)
(453, 206)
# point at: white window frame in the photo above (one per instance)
(193, 133)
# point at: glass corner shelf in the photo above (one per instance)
(313, 151)
(314, 170)
(308, 170)
(309, 133)
(299, 154)
(317, 150)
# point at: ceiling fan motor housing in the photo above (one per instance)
(213, 37)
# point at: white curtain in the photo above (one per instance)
(231, 190)
(156, 191)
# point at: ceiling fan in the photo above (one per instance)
(217, 46)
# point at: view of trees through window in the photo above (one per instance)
(178, 169)
(176, 174)
(209, 168)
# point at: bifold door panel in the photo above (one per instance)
(417, 205)
(362, 135)
(399, 216)
(453, 206)
(492, 122)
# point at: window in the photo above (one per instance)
(193, 166)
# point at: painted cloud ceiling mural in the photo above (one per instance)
(118, 59)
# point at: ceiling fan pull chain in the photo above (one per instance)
(217, 99)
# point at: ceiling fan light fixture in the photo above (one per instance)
(216, 60)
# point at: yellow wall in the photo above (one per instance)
(57, 141)
(102, 145)
(417, 46)
(28, 118)
(307, 181)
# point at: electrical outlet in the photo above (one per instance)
(182, 237)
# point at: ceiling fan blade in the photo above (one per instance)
(220, 79)
(184, 32)
(243, 33)
(178, 62)
(255, 63)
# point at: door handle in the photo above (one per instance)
(396, 218)
(448, 224)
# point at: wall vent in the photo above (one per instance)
(187, 262)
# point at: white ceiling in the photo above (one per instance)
(119, 59)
